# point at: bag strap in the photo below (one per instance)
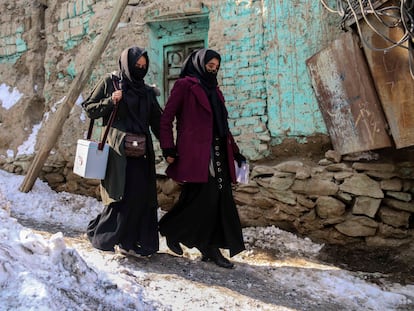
(111, 120)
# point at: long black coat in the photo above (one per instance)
(100, 105)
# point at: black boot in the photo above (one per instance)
(213, 254)
(175, 247)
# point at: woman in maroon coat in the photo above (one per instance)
(202, 160)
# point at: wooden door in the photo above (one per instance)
(174, 56)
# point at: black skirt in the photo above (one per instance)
(206, 214)
(131, 222)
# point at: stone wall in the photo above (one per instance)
(336, 201)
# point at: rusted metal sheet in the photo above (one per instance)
(393, 82)
(347, 97)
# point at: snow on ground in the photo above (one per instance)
(46, 273)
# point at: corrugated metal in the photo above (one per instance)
(347, 98)
(393, 82)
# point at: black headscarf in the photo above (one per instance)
(131, 75)
(134, 94)
(194, 66)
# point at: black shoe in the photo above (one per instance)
(134, 252)
(127, 251)
(214, 255)
(175, 247)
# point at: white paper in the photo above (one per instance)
(242, 172)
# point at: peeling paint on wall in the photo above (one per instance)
(264, 45)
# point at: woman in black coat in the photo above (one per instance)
(129, 217)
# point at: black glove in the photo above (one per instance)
(169, 152)
(239, 159)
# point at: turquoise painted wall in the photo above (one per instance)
(293, 33)
(12, 44)
(264, 71)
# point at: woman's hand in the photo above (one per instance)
(170, 154)
(116, 96)
(239, 159)
(170, 160)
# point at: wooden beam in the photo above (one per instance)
(77, 85)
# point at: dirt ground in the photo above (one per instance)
(395, 266)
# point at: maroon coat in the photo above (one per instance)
(188, 103)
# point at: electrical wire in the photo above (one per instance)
(391, 16)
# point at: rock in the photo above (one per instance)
(381, 175)
(23, 164)
(263, 181)
(9, 167)
(289, 166)
(361, 184)
(333, 156)
(324, 175)
(402, 196)
(251, 187)
(358, 226)
(332, 221)
(295, 210)
(315, 186)
(393, 217)
(366, 206)
(168, 186)
(358, 156)
(406, 172)
(277, 214)
(304, 201)
(394, 184)
(380, 242)
(165, 202)
(263, 202)
(328, 207)
(288, 197)
(402, 206)
(341, 176)
(242, 198)
(249, 216)
(317, 170)
(325, 162)
(338, 167)
(408, 186)
(382, 167)
(387, 231)
(303, 173)
(344, 197)
(262, 170)
(71, 186)
(91, 182)
(54, 178)
(280, 184)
